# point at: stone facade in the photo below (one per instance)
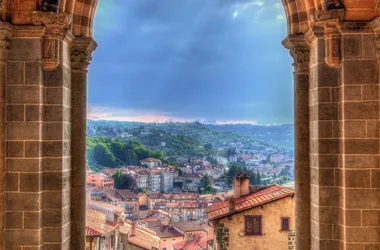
(45, 48)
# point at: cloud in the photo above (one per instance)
(149, 116)
(218, 122)
(120, 114)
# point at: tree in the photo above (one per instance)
(205, 181)
(126, 182)
(116, 177)
(103, 156)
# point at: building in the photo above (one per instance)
(167, 179)
(102, 233)
(258, 220)
(124, 198)
(151, 162)
(100, 180)
(154, 183)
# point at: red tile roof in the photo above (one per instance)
(92, 232)
(264, 196)
(150, 160)
(199, 244)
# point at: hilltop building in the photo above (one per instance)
(253, 219)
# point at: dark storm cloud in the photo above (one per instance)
(216, 59)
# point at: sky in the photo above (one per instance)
(213, 61)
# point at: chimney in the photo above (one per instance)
(236, 186)
(240, 185)
(244, 186)
(133, 229)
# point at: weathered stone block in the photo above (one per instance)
(369, 50)
(15, 73)
(13, 220)
(373, 129)
(361, 110)
(355, 129)
(362, 199)
(11, 181)
(33, 149)
(32, 220)
(24, 94)
(23, 165)
(361, 161)
(15, 149)
(360, 72)
(328, 196)
(357, 178)
(25, 50)
(361, 146)
(53, 181)
(370, 92)
(370, 218)
(30, 182)
(33, 112)
(52, 218)
(33, 73)
(23, 201)
(352, 46)
(327, 76)
(352, 92)
(53, 199)
(24, 130)
(15, 113)
(27, 237)
(54, 95)
(362, 234)
(328, 111)
(53, 235)
(53, 113)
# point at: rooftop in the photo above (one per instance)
(264, 196)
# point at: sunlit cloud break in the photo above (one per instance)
(129, 115)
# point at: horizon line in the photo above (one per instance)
(256, 124)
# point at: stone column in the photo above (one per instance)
(81, 51)
(299, 50)
(5, 34)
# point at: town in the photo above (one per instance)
(155, 205)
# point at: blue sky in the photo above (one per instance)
(215, 61)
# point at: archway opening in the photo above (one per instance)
(192, 80)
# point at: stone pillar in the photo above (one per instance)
(81, 51)
(324, 142)
(56, 113)
(299, 50)
(24, 125)
(5, 33)
(37, 201)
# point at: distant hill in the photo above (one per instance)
(279, 134)
(203, 134)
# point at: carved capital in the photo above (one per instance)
(329, 19)
(56, 28)
(57, 24)
(81, 52)
(299, 50)
(5, 34)
(375, 25)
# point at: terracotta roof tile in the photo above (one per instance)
(259, 198)
(92, 232)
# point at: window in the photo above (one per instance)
(285, 224)
(253, 225)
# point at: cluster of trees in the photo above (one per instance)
(215, 135)
(234, 169)
(205, 185)
(112, 153)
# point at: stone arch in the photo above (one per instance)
(337, 182)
